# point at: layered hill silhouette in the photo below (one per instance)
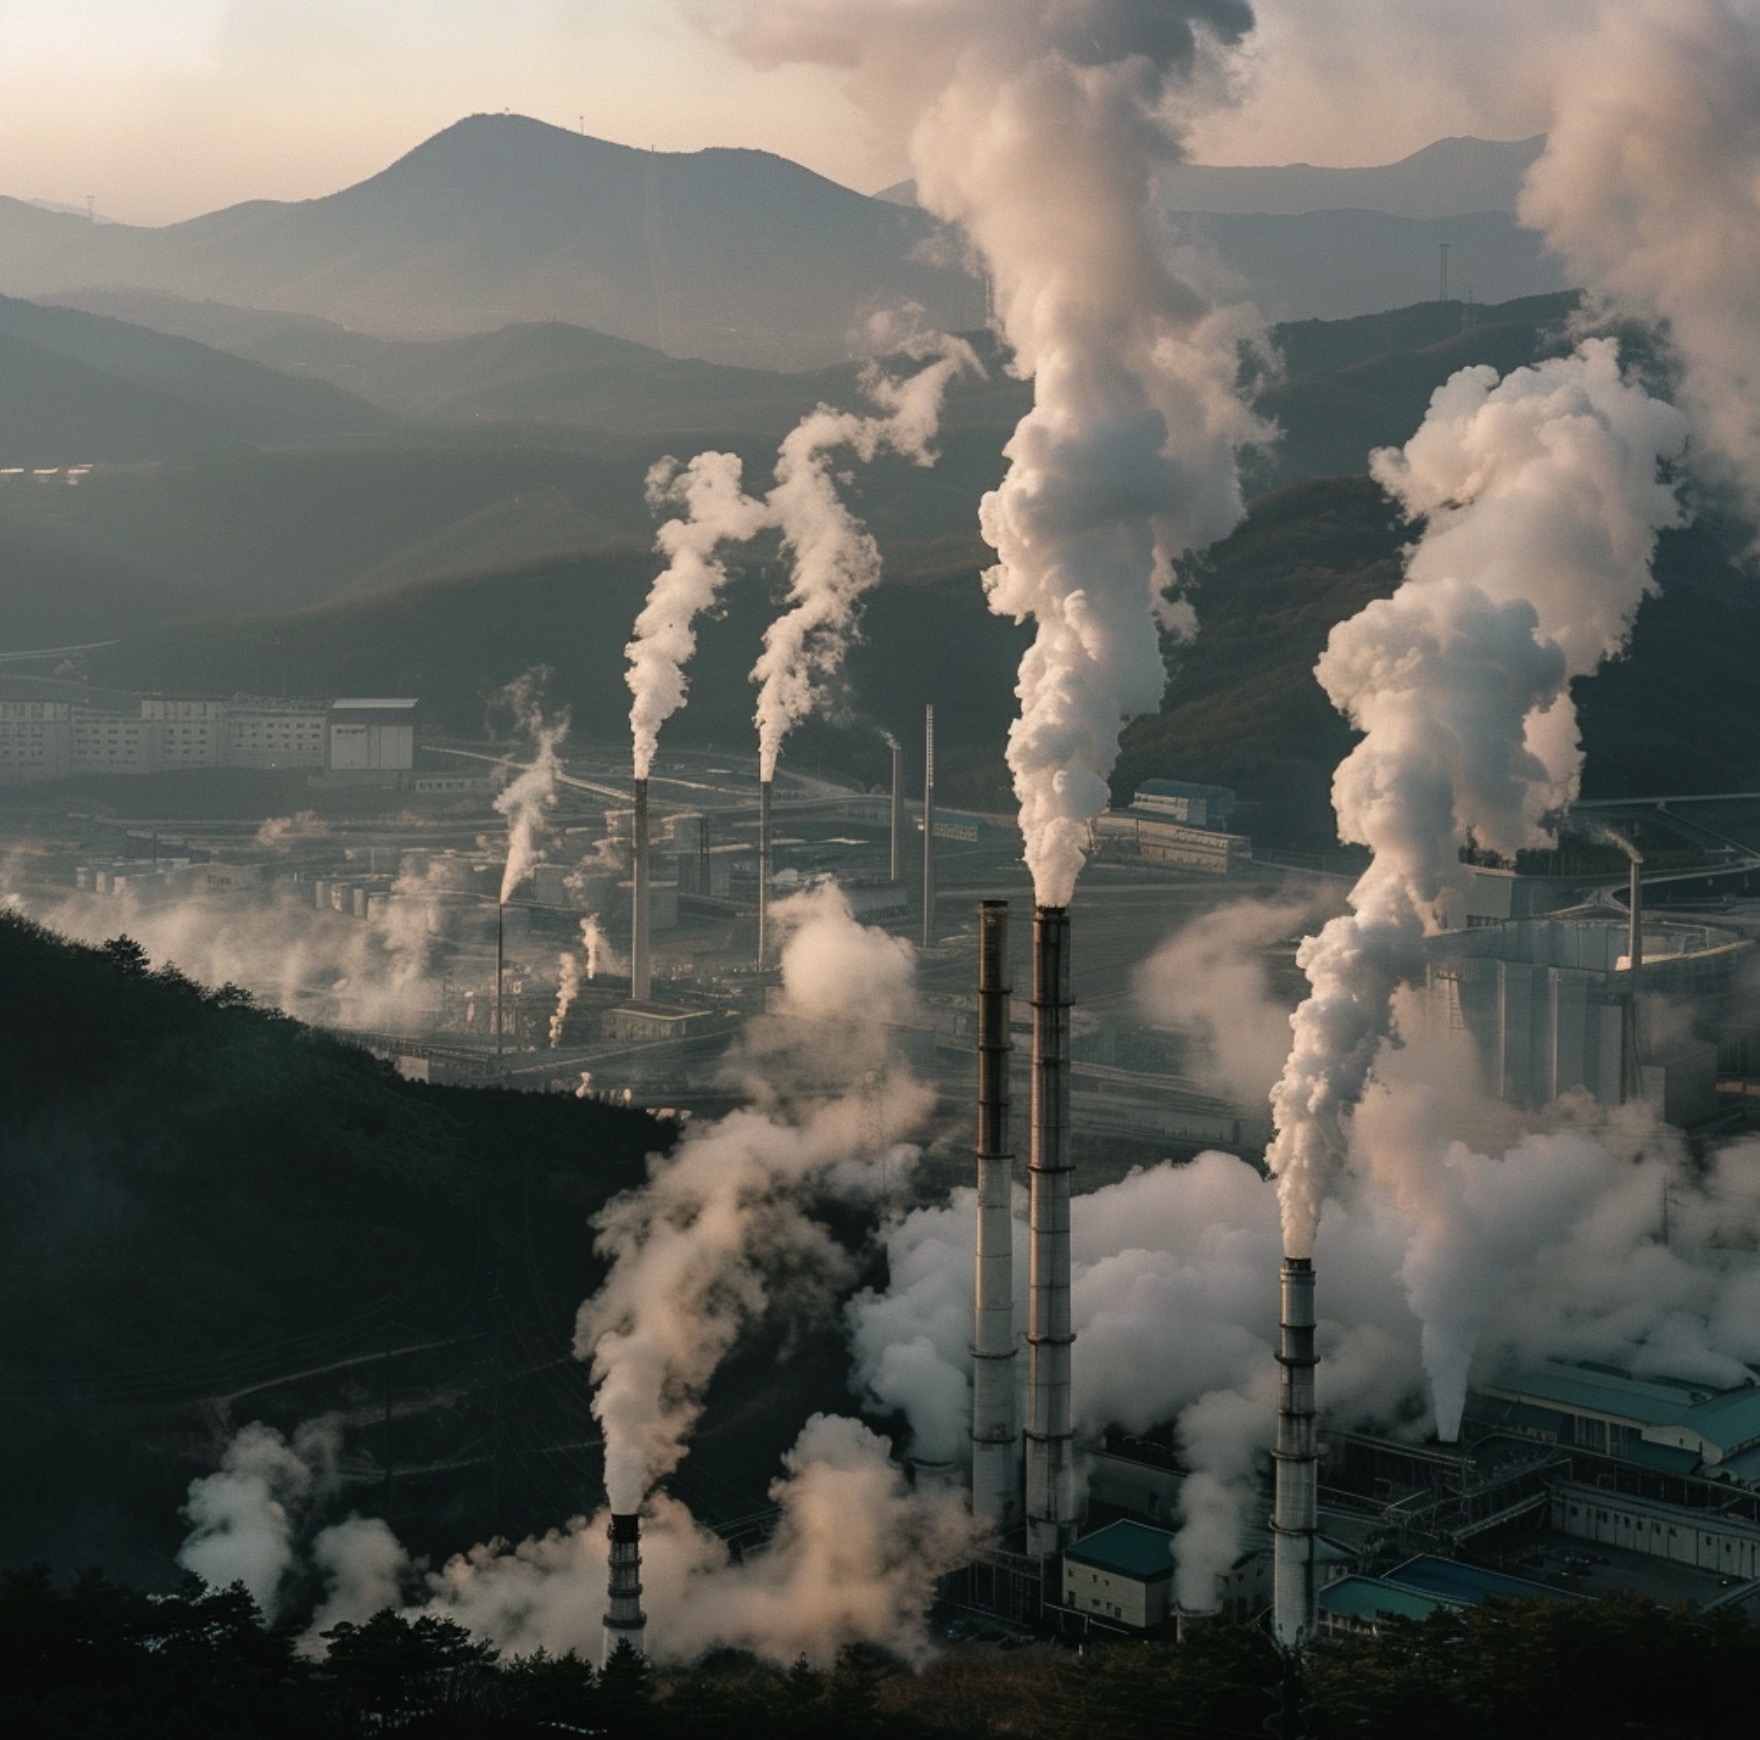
(737, 256)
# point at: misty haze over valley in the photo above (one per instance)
(976, 958)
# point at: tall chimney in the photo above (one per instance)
(641, 978)
(500, 913)
(897, 810)
(996, 1445)
(625, 1622)
(928, 827)
(1634, 1039)
(1295, 1518)
(764, 789)
(1051, 1508)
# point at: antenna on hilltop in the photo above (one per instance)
(1443, 249)
(91, 208)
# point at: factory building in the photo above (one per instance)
(1122, 1575)
(1420, 1587)
(47, 739)
(1181, 825)
(372, 736)
(1547, 1002)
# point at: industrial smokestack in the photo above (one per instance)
(641, 978)
(764, 790)
(897, 809)
(625, 1621)
(500, 912)
(996, 1449)
(1295, 1518)
(1634, 1039)
(1051, 1510)
(928, 827)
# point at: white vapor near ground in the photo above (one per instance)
(526, 799)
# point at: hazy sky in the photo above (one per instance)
(166, 108)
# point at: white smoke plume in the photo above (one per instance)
(1646, 188)
(526, 798)
(364, 1569)
(1036, 126)
(1542, 496)
(601, 952)
(568, 987)
(1209, 980)
(717, 511)
(833, 559)
(245, 1519)
(702, 1249)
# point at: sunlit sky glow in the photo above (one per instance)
(162, 109)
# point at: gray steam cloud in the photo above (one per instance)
(1036, 128)
(1646, 188)
(1542, 496)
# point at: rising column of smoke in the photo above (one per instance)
(532, 791)
(698, 1252)
(833, 559)
(1646, 187)
(568, 987)
(1036, 126)
(601, 953)
(1542, 496)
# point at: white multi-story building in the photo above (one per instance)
(36, 740)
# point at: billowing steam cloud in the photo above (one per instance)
(1542, 496)
(696, 1252)
(833, 558)
(245, 1519)
(1647, 189)
(1036, 126)
(531, 792)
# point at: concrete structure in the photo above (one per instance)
(1549, 1004)
(1159, 840)
(638, 1021)
(624, 1620)
(1178, 800)
(765, 792)
(1050, 1441)
(996, 1444)
(372, 735)
(896, 808)
(1121, 1574)
(641, 980)
(928, 827)
(36, 741)
(1666, 1424)
(274, 734)
(1295, 1515)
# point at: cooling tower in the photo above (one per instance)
(641, 978)
(624, 1620)
(1051, 1512)
(1295, 1509)
(996, 1446)
(764, 791)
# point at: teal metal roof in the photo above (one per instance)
(1601, 1390)
(1449, 1580)
(1132, 1549)
(1729, 1421)
(1665, 1458)
(1371, 1598)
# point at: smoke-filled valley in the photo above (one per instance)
(976, 960)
